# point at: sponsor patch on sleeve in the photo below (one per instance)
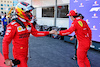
(8, 31)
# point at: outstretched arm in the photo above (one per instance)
(40, 33)
(2, 23)
(67, 31)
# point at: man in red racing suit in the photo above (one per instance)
(19, 37)
(83, 34)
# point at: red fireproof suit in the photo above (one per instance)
(19, 38)
(83, 34)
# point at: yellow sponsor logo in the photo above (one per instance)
(21, 47)
(27, 26)
(5, 20)
(80, 23)
(19, 28)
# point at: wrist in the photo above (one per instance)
(57, 32)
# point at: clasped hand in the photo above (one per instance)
(53, 32)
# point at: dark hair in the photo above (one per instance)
(75, 16)
(81, 15)
(4, 15)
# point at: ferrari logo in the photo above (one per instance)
(80, 23)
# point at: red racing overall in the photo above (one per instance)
(83, 34)
(19, 38)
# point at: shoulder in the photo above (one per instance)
(78, 20)
(75, 21)
(13, 24)
(2, 18)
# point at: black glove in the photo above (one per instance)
(16, 62)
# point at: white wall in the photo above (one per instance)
(28, 1)
(61, 22)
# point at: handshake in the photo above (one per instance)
(53, 32)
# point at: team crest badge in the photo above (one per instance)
(80, 23)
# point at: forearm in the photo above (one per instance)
(90, 35)
(64, 32)
(5, 50)
(5, 46)
(67, 31)
(2, 23)
(40, 33)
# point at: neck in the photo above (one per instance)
(73, 19)
(78, 18)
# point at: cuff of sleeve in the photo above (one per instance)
(6, 56)
(60, 33)
(47, 33)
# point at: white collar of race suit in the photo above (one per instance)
(78, 18)
(23, 20)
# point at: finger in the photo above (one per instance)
(8, 62)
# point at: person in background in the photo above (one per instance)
(34, 21)
(8, 19)
(76, 45)
(83, 34)
(35, 18)
(0, 18)
(4, 23)
(80, 16)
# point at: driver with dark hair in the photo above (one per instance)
(83, 34)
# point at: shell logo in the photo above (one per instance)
(19, 28)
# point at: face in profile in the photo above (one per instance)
(5, 15)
